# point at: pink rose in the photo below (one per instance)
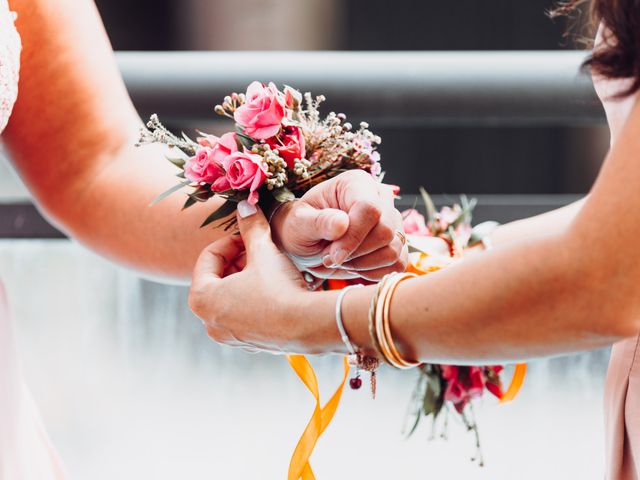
(206, 165)
(262, 113)
(201, 169)
(245, 171)
(414, 223)
(289, 144)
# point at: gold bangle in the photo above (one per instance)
(372, 315)
(379, 324)
(401, 362)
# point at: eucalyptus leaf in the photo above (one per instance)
(433, 396)
(226, 209)
(177, 161)
(173, 189)
(428, 203)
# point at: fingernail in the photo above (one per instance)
(327, 261)
(339, 257)
(245, 209)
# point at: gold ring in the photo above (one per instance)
(402, 237)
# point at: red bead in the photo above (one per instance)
(355, 383)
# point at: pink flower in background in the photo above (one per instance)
(201, 169)
(463, 384)
(289, 144)
(414, 223)
(262, 113)
(245, 171)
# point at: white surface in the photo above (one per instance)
(131, 388)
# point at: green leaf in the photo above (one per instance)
(173, 189)
(177, 161)
(283, 195)
(190, 201)
(226, 209)
(243, 139)
(428, 203)
(433, 395)
(415, 423)
(202, 193)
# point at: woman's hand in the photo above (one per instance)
(346, 227)
(255, 304)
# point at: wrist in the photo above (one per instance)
(315, 325)
(277, 218)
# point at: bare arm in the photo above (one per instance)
(553, 221)
(71, 138)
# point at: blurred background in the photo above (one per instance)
(129, 385)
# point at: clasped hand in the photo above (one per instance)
(348, 224)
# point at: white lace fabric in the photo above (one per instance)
(10, 47)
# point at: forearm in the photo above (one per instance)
(71, 138)
(526, 300)
(555, 221)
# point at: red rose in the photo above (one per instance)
(289, 144)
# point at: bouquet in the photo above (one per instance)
(435, 243)
(280, 148)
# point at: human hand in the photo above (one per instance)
(345, 227)
(251, 304)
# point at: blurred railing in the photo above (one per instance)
(387, 88)
(392, 89)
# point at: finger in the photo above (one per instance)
(216, 257)
(363, 217)
(383, 234)
(383, 257)
(255, 232)
(314, 224)
(236, 265)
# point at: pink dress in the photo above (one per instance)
(622, 389)
(25, 451)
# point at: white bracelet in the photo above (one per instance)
(343, 332)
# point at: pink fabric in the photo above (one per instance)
(622, 390)
(25, 450)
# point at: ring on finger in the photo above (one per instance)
(402, 237)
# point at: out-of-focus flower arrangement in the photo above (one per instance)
(280, 148)
(435, 243)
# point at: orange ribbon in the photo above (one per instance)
(516, 383)
(299, 468)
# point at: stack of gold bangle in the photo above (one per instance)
(379, 325)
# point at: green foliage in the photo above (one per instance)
(226, 209)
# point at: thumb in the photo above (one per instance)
(255, 231)
(313, 224)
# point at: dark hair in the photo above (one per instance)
(619, 54)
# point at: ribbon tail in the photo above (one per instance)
(299, 467)
(516, 383)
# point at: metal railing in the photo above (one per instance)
(390, 89)
(529, 88)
